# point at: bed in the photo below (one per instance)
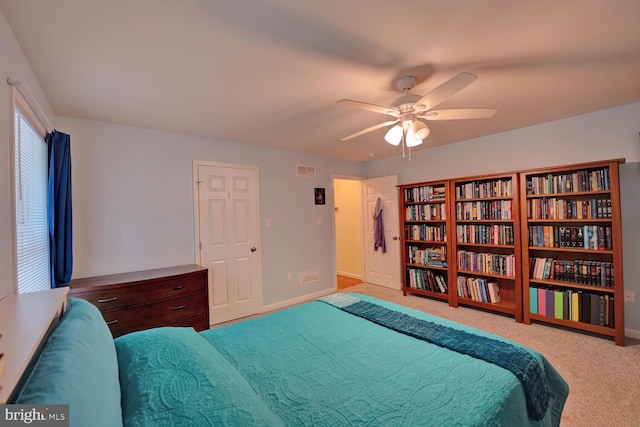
(341, 360)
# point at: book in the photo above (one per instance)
(558, 306)
(601, 310)
(566, 305)
(494, 292)
(547, 268)
(542, 302)
(585, 307)
(595, 309)
(550, 303)
(533, 300)
(575, 309)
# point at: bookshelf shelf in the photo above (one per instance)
(569, 221)
(480, 245)
(485, 218)
(483, 274)
(575, 210)
(433, 267)
(568, 194)
(505, 307)
(425, 293)
(425, 221)
(570, 250)
(483, 199)
(572, 285)
(575, 325)
(425, 229)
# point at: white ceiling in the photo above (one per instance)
(269, 72)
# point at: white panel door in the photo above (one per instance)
(382, 268)
(228, 233)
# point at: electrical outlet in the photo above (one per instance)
(289, 277)
(629, 296)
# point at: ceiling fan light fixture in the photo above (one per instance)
(420, 130)
(394, 135)
(410, 110)
(411, 140)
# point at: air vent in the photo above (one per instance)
(310, 276)
(306, 170)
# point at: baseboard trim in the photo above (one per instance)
(632, 333)
(298, 300)
(350, 275)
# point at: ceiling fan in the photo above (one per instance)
(409, 110)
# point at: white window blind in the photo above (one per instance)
(32, 236)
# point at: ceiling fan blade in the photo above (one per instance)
(447, 89)
(366, 106)
(371, 129)
(459, 113)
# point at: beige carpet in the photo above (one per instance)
(603, 378)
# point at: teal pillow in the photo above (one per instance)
(173, 376)
(78, 366)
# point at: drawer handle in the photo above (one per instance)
(177, 288)
(108, 299)
(112, 322)
(180, 307)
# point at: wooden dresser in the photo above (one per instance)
(173, 296)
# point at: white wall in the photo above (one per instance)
(133, 204)
(607, 134)
(13, 65)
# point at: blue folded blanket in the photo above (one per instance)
(517, 360)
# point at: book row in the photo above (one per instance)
(594, 273)
(586, 237)
(484, 189)
(434, 233)
(579, 181)
(426, 280)
(495, 234)
(496, 209)
(426, 212)
(478, 289)
(579, 306)
(487, 263)
(551, 208)
(436, 257)
(425, 193)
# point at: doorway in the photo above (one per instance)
(227, 238)
(356, 256)
(349, 237)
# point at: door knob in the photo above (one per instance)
(395, 237)
(253, 249)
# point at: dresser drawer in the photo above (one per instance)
(199, 322)
(131, 294)
(137, 300)
(168, 312)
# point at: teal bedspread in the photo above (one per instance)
(518, 360)
(318, 365)
(315, 364)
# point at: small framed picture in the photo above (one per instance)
(319, 196)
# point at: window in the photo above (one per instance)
(32, 235)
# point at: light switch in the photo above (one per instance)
(319, 220)
(268, 222)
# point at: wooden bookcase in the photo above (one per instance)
(572, 247)
(425, 230)
(485, 250)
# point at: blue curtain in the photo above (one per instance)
(59, 208)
